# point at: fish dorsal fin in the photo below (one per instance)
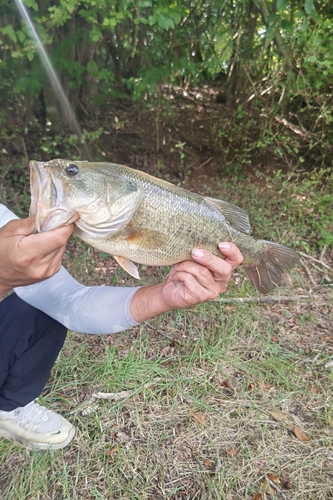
(128, 266)
(233, 214)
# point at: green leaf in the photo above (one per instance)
(21, 35)
(95, 34)
(144, 3)
(152, 20)
(92, 68)
(141, 20)
(305, 24)
(165, 22)
(270, 33)
(31, 4)
(281, 5)
(110, 23)
(9, 31)
(309, 6)
(30, 55)
(272, 18)
(287, 25)
(105, 75)
(176, 17)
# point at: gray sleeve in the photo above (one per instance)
(95, 309)
(6, 215)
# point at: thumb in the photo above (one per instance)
(232, 254)
(22, 227)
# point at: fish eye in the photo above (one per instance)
(72, 170)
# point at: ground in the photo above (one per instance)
(228, 400)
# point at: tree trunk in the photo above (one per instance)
(244, 26)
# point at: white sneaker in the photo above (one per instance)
(36, 427)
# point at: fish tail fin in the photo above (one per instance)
(266, 274)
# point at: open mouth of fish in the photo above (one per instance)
(48, 202)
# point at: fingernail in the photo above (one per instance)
(224, 246)
(197, 253)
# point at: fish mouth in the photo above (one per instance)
(48, 201)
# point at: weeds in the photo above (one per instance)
(197, 422)
(183, 169)
(202, 384)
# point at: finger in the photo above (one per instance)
(50, 240)
(20, 227)
(196, 288)
(60, 234)
(216, 265)
(26, 227)
(232, 253)
(204, 276)
(54, 264)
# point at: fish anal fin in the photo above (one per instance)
(128, 266)
(144, 238)
(236, 217)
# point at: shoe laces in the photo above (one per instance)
(31, 415)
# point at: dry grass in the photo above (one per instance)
(215, 395)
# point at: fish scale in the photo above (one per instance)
(139, 218)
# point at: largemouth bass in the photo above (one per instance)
(137, 217)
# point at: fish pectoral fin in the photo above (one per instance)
(144, 238)
(233, 214)
(140, 238)
(128, 266)
(73, 218)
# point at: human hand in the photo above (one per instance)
(188, 283)
(26, 258)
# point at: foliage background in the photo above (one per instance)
(269, 65)
(270, 58)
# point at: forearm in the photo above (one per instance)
(148, 302)
(95, 310)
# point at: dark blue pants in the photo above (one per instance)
(30, 342)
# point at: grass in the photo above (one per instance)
(197, 422)
(203, 385)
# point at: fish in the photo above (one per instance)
(139, 218)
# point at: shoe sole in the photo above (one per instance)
(38, 446)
